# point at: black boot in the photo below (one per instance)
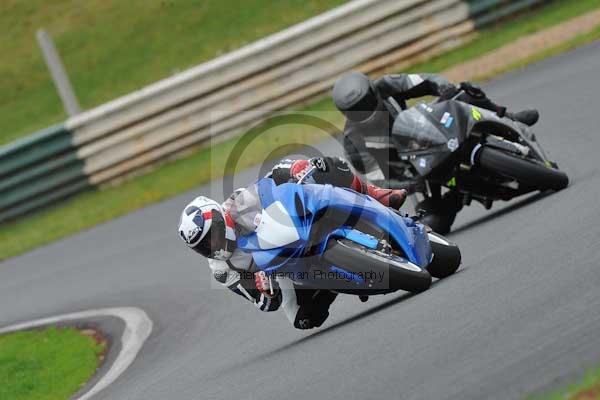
(528, 117)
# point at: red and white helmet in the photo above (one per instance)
(207, 229)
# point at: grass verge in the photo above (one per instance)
(586, 389)
(97, 206)
(50, 364)
(102, 42)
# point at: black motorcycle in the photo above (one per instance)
(470, 151)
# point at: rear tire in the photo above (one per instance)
(446, 257)
(524, 171)
(356, 258)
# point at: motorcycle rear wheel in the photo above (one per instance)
(524, 171)
(356, 258)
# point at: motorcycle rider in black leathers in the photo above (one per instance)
(211, 229)
(371, 107)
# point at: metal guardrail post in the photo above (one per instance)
(59, 75)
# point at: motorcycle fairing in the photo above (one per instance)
(424, 137)
(276, 227)
(304, 203)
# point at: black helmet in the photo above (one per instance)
(354, 95)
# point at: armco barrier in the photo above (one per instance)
(245, 86)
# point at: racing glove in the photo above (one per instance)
(479, 98)
(264, 284)
(472, 90)
(447, 91)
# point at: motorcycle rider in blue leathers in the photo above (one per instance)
(210, 229)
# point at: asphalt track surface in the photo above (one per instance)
(522, 315)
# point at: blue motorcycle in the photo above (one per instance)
(334, 238)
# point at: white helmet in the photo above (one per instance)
(207, 229)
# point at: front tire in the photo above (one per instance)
(356, 258)
(524, 171)
(446, 257)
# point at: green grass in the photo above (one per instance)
(112, 47)
(50, 364)
(588, 388)
(505, 32)
(97, 206)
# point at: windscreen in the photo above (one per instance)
(413, 131)
(245, 207)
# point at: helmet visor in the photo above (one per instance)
(363, 108)
(215, 240)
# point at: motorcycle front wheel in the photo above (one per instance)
(446, 257)
(399, 274)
